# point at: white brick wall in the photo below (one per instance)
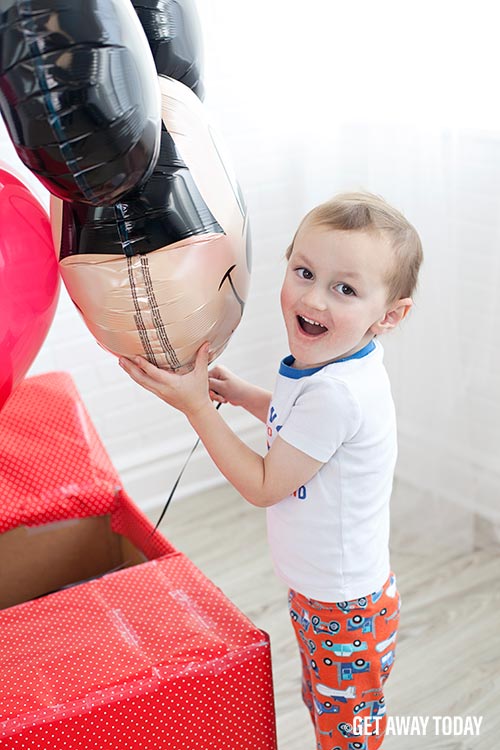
(292, 149)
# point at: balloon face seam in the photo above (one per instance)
(141, 328)
(157, 320)
(122, 230)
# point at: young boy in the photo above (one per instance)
(327, 477)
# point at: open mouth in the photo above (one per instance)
(311, 327)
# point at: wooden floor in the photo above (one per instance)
(448, 567)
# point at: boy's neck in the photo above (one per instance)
(352, 354)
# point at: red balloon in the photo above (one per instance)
(29, 280)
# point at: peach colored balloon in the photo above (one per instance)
(166, 303)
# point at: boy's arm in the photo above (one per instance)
(258, 402)
(261, 481)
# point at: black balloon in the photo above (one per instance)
(168, 209)
(174, 34)
(79, 95)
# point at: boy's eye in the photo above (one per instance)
(345, 289)
(304, 273)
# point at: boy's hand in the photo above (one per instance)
(226, 387)
(188, 393)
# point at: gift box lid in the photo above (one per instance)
(53, 465)
(117, 637)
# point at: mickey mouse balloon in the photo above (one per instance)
(164, 266)
(168, 268)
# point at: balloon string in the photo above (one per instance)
(126, 563)
(172, 491)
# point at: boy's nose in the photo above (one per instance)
(314, 298)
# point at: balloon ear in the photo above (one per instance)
(90, 66)
(174, 33)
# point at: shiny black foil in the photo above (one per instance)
(78, 97)
(167, 209)
(174, 34)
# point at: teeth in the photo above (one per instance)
(313, 322)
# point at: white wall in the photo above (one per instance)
(312, 99)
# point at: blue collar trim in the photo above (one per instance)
(288, 371)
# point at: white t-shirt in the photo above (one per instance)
(330, 539)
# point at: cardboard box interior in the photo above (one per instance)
(38, 560)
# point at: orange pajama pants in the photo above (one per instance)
(347, 651)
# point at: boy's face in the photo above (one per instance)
(336, 279)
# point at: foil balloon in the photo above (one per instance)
(169, 267)
(29, 280)
(79, 95)
(164, 266)
(174, 34)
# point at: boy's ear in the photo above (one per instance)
(393, 316)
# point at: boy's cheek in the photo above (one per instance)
(286, 298)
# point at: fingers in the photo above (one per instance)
(168, 377)
(214, 396)
(137, 364)
(147, 374)
(129, 365)
(202, 356)
(219, 372)
(218, 379)
(216, 383)
(185, 392)
(152, 370)
(135, 372)
(217, 386)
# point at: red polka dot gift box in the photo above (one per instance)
(148, 656)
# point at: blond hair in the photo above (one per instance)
(366, 212)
